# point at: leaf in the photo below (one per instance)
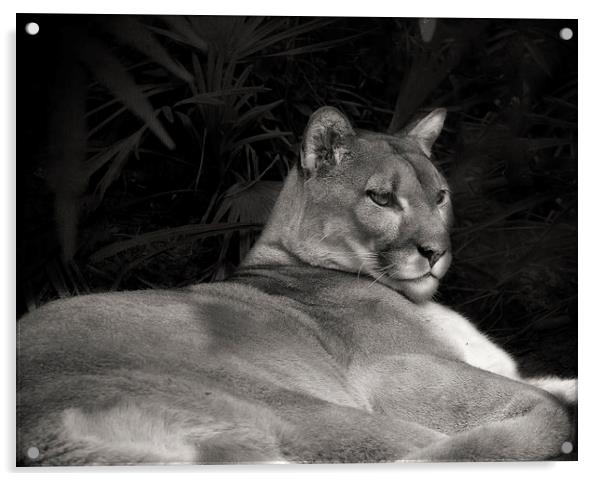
(538, 57)
(242, 78)
(149, 91)
(263, 38)
(97, 161)
(257, 138)
(187, 123)
(192, 230)
(107, 120)
(174, 36)
(199, 85)
(256, 112)
(109, 71)
(134, 34)
(211, 97)
(112, 174)
(183, 27)
(316, 47)
(232, 34)
(168, 113)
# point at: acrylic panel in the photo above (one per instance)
(295, 239)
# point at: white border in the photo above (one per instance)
(590, 190)
(384, 8)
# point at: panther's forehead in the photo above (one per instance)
(399, 160)
(384, 143)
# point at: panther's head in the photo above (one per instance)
(372, 204)
(375, 204)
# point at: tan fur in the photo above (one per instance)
(324, 347)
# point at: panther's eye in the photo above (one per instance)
(442, 196)
(384, 200)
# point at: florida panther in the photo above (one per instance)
(324, 346)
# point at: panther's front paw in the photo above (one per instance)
(563, 389)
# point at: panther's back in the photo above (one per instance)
(240, 371)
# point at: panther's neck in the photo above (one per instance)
(275, 245)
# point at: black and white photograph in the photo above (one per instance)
(247, 239)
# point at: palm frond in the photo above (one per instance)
(111, 73)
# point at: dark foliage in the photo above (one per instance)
(150, 150)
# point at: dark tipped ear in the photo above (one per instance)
(323, 143)
(427, 130)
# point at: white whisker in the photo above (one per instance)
(377, 279)
(360, 269)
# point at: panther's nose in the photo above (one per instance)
(432, 255)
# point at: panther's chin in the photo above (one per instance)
(418, 290)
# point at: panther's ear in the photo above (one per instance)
(324, 139)
(427, 130)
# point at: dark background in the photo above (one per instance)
(150, 150)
